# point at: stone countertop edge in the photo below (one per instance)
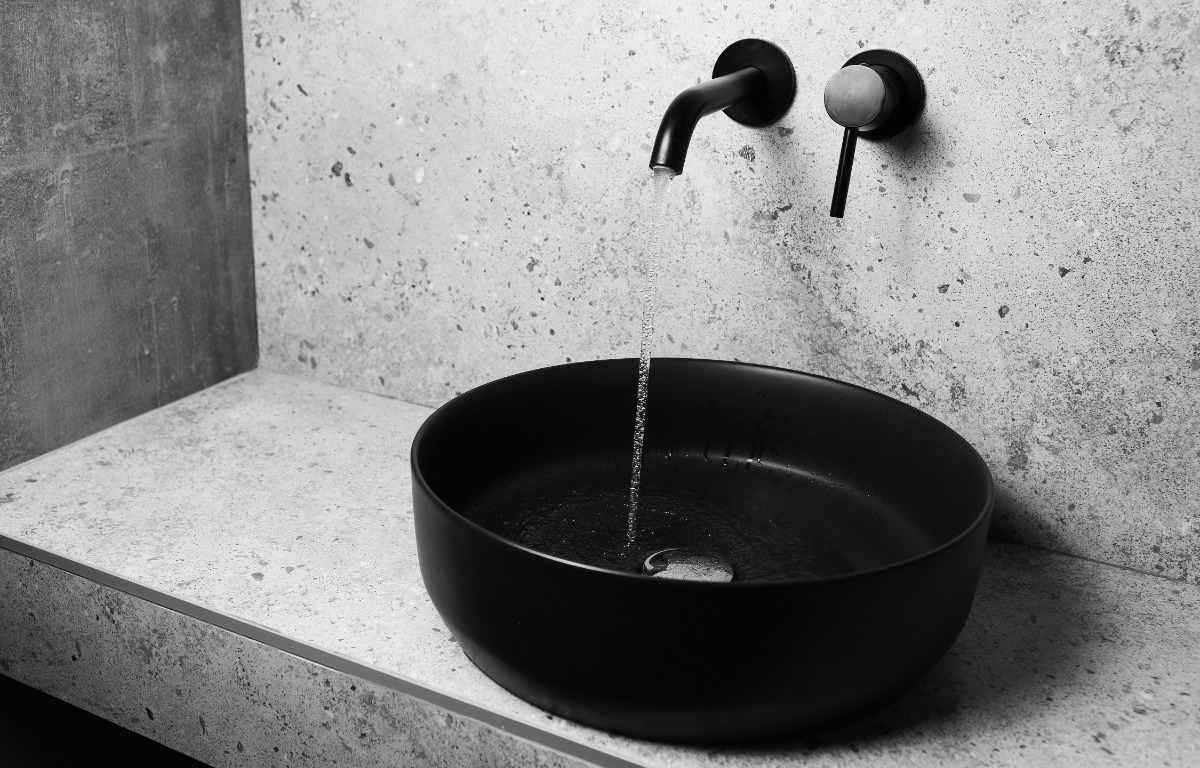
(279, 508)
(322, 656)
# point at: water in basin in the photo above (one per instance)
(769, 523)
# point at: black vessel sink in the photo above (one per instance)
(853, 525)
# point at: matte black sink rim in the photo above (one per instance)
(983, 517)
(697, 661)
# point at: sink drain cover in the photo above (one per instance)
(687, 565)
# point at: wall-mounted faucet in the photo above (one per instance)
(753, 81)
(876, 94)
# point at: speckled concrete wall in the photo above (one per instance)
(448, 192)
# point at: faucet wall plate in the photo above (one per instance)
(780, 90)
(909, 103)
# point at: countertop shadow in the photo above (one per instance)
(1022, 638)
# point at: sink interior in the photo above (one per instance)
(770, 522)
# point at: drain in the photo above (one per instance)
(687, 565)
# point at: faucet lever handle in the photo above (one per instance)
(876, 94)
(841, 186)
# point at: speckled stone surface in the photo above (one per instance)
(448, 192)
(285, 503)
(216, 695)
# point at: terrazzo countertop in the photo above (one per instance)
(278, 503)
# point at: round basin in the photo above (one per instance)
(826, 541)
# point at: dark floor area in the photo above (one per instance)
(40, 731)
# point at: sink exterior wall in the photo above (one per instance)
(126, 272)
(445, 193)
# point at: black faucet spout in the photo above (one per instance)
(753, 81)
(675, 130)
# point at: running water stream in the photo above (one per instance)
(739, 519)
(658, 217)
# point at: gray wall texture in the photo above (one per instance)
(447, 192)
(126, 270)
